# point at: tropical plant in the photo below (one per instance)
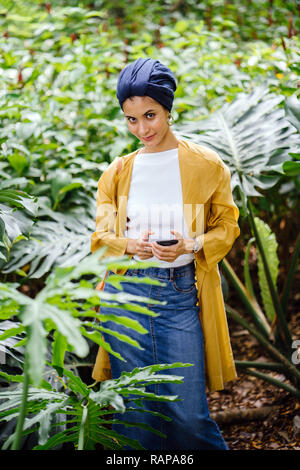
(58, 103)
(17, 210)
(87, 413)
(8, 344)
(256, 140)
(270, 325)
(61, 126)
(253, 137)
(56, 239)
(63, 312)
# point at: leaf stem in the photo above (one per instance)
(82, 426)
(249, 301)
(247, 276)
(275, 366)
(290, 369)
(22, 411)
(289, 388)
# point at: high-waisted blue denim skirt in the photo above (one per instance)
(173, 336)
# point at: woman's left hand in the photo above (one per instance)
(170, 253)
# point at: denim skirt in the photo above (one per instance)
(173, 336)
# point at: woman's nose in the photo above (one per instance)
(143, 128)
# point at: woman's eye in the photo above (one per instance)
(133, 120)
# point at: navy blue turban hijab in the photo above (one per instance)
(147, 77)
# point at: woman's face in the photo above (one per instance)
(147, 120)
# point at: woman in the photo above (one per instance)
(169, 189)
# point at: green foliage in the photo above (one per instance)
(58, 308)
(13, 222)
(87, 412)
(258, 140)
(56, 239)
(252, 136)
(237, 71)
(269, 245)
(60, 120)
(278, 346)
(56, 321)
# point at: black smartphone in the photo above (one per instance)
(167, 242)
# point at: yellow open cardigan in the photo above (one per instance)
(211, 216)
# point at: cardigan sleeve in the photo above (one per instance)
(107, 230)
(222, 228)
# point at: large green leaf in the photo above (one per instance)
(16, 223)
(58, 307)
(59, 348)
(18, 162)
(36, 341)
(86, 409)
(67, 325)
(269, 245)
(4, 244)
(253, 137)
(10, 335)
(292, 107)
(17, 210)
(19, 199)
(63, 241)
(291, 168)
(44, 419)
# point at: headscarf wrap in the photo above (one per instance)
(147, 77)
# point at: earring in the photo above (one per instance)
(170, 120)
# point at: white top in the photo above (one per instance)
(155, 201)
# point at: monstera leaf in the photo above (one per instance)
(292, 108)
(17, 210)
(61, 240)
(252, 136)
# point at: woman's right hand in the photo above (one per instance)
(143, 246)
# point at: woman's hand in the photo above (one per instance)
(143, 247)
(170, 253)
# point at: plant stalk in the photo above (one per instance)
(276, 366)
(275, 353)
(273, 292)
(247, 277)
(249, 302)
(289, 388)
(82, 427)
(22, 411)
(289, 279)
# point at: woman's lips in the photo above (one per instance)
(149, 138)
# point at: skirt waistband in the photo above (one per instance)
(165, 273)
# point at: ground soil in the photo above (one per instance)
(275, 432)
